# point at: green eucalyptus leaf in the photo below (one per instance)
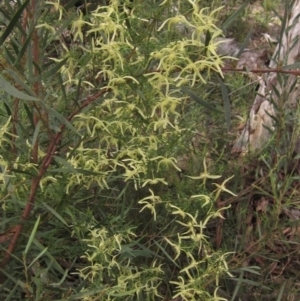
(14, 21)
(7, 87)
(63, 120)
(20, 81)
(29, 115)
(24, 46)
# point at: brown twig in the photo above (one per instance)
(276, 70)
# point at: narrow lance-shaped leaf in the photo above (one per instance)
(63, 120)
(7, 108)
(38, 257)
(56, 214)
(207, 40)
(234, 16)
(198, 99)
(63, 88)
(32, 235)
(30, 61)
(8, 17)
(69, 167)
(9, 6)
(226, 102)
(15, 19)
(78, 90)
(20, 81)
(52, 71)
(47, 254)
(280, 294)
(29, 115)
(10, 58)
(292, 66)
(36, 132)
(8, 88)
(24, 46)
(245, 43)
(284, 23)
(15, 45)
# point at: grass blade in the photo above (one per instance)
(32, 235)
(56, 214)
(166, 253)
(226, 24)
(37, 257)
(226, 102)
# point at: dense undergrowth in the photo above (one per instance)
(117, 180)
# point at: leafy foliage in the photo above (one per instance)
(93, 125)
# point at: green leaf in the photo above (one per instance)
(49, 73)
(29, 115)
(238, 286)
(9, 8)
(56, 214)
(24, 46)
(32, 235)
(207, 41)
(47, 254)
(12, 24)
(68, 166)
(292, 66)
(78, 90)
(280, 294)
(199, 100)
(8, 88)
(37, 257)
(70, 4)
(10, 296)
(14, 45)
(63, 88)
(17, 281)
(63, 120)
(36, 132)
(86, 293)
(232, 18)
(252, 283)
(7, 108)
(22, 172)
(246, 42)
(30, 61)
(226, 102)
(250, 269)
(9, 56)
(20, 81)
(167, 254)
(89, 172)
(283, 29)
